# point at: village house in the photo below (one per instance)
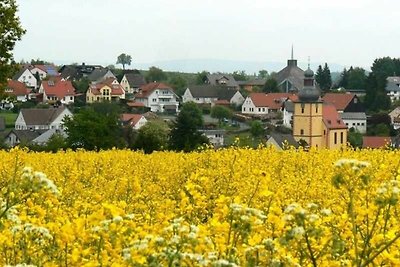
(281, 141)
(393, 88)
(108, 90)
(376, 141)
(132, 81)
(287, 110)
(262, 104)
(57, 90)
(216, 137)
(18, 90)
(42, 119)
(44, 70)
(77, 72)
(350, 109)
(158, 97)
(25, 76)
(100, 75)
(395, 118)
(252, 85)
(212, 94)
(136, 121)
(222, 79)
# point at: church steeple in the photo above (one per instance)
(292, 62)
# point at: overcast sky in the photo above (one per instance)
(346, 32)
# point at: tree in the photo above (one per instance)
(256, 128)
(178, 83)
(271, 86)
(356, 78)
(344, 78)
(184, 134)
(376, 98)
(240, 75)
(263, 74)
(201, 77)
(221, 112)
(11, 31)
(319, 76)
(94, 128)
(155, 75)
(153, 136)
(124, 59)
(327, 78)
(355, 138)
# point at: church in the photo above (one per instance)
(314, 122)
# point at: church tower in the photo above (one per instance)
(307, 115)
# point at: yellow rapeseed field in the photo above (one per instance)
(232, 207)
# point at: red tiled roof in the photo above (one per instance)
(271, 100)
(147, 89)
(222, 102)
(132, 119)
(331, 118)
(18, 88)
(375, 141)
(340, 101)
(116, 89)
(57, 87)
(135, 104)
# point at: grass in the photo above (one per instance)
(10, 118)
(245, 139)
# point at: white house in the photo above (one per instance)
(158, 97)
(37, 69)
(395, 118)
(262, 104)
(57, 89)
(136, 121)
(41, 119)
(287, 110)
(25, 76)
(216, 137)
(393, 88)
(356, 120)
(18, 90)
(212, 94)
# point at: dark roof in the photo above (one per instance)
(393, 84)
(215, 77)
(255, 82)
(19, 73)
(25, 136)
(97, 74)
(37, 116)
(292, 73)
(212, 91)
(135, 79)
(281, 139)
(77, 71)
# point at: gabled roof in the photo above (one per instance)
(215, 77)
(393, 83)
(376, 141)
(49, 69)
(16, 88)
(20, 72)
(331, 118)
(340, 101)
(58, 88)
(147, 89)
(293, 74)
(131, 119)
(116, 89)
(212, 91)
(282, 139)
(37, 116)
(135, 80)
(271, 100)
(26, 136)
(353, 115)
(98, 74)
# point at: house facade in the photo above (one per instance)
(42, 119)
(158, 97)
(216, 137)
(131, 82)
(136, 121)
(108, 90)
(393, 88)
(18, 90)
(262, 104)
(101, 75)
(355, 120)
(25, 76)
(55, 90)
(222, 80)
(211, 94)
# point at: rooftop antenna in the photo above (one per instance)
(292, 51)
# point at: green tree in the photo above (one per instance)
(221, 112)
(184, 134)
(271, 86)
(153, 136)
(344, 78)
(94, 128)
(124, 59)
(11, 31)
(263, 74)
(240, 75)
(56, 142)
(327, 78)
(356, 78)
(319, 76)
(355, 138)
(156, 75)
(376, 98)
(81, 85)
(201, 77)
(178, 83)
(256, 128)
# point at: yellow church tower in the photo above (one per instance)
(307, 114)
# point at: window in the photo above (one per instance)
(324, 132)
(341, 137)
(302, 110)
(154, 100)
(362, 124)
(355, 100)
(71, 98)
(259, 109)
(335, 139)
(301, 132)
(244, 109)
(316, 108)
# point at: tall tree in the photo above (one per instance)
(178, 83)
(344, 78)
(271, 86)
(263, 74)
(156, 75)
(201, 77)
(124, 59)
(11, 31)
(240, 75)
(221, 112)
(153, 136)
(319, 76)
(327, 77)
(184, 134)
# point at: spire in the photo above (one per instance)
(292, 52)
(308, 61)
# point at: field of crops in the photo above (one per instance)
(233, 207)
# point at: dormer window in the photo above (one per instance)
(355, 100)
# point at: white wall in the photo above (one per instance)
(28, 78)
(358, 125)
(249, 108)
